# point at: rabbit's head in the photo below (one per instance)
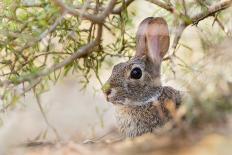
(137, 81)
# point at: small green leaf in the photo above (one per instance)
(106, 87)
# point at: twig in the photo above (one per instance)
(83, 51)
(44, 115)
(222, 5)
(33, 5)
(116, 10)
(162, 5)
(178, 34)
(99, 18)
(121, 8)
(220, 24)
(42, 54)
(194, 20)
(31, 86)
(185, 8)
(43, 35)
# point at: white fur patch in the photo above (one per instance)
(152, 99)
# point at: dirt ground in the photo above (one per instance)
(213, 140)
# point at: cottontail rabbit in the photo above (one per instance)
(134, 86)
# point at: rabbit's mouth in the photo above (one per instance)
(117, 102)
(112, 97)
(114, 101)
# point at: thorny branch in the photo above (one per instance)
(83, 51)
(222, 5)
(97, 15)
(99, 18)
(215, 8)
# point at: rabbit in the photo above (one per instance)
(134, 87)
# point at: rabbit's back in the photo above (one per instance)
(137, 120)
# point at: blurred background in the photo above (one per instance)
(56, 55)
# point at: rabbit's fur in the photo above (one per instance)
(140, 102)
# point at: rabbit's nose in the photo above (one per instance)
(108, 92)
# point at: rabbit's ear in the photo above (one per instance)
(152, 39)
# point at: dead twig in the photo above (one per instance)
(44, 115)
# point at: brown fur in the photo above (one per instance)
(136, 120)
(140, 102)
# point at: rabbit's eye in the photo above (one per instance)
(136, 73)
